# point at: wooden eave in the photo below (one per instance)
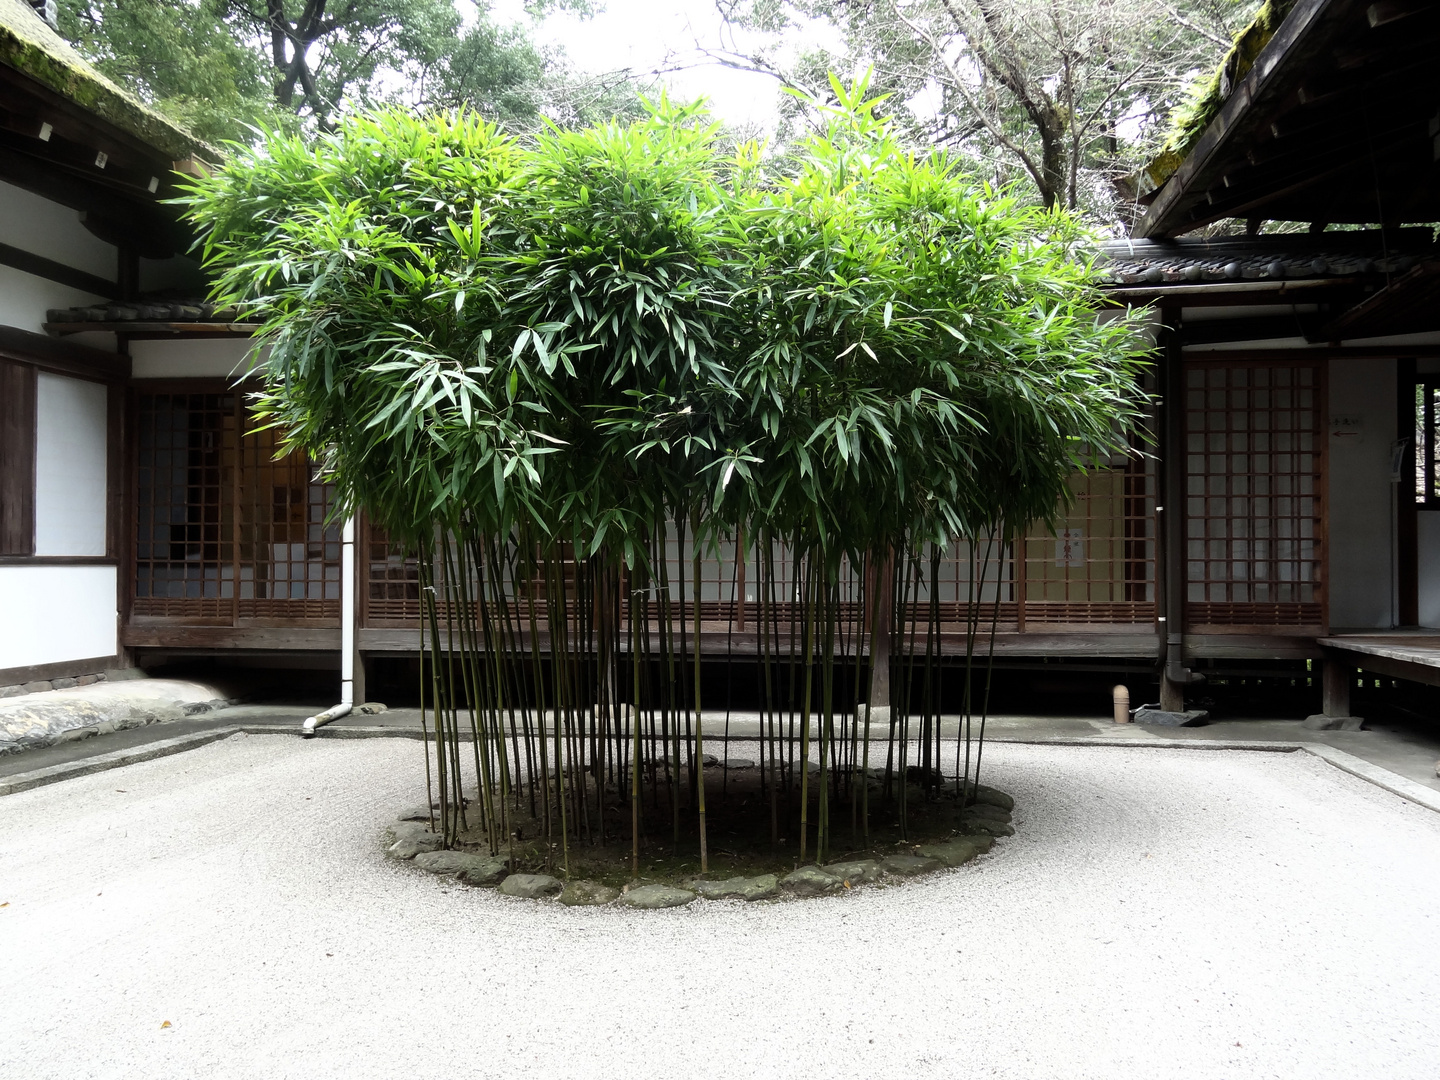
(1336, 122)
(62, 357)
(1408, 305)
(53, 147)
(1224, 293)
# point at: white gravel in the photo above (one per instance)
(1160, 913)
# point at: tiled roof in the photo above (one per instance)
(144, 311)
(1287, 256)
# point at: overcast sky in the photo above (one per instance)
(645, 35)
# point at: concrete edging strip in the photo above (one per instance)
(1381, 778)
(1346, 762)
(10, 785)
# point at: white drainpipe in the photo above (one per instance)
(347, 634)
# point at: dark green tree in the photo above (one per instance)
(222, 67)
(537, 361)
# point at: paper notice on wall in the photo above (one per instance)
(1070, 547)
(1347, 428)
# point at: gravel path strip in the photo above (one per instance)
(1159, 914)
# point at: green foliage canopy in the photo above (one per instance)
(618, 325)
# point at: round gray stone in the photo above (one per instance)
(957, 852)
(811, 881)
(987, 826)
(652, 897)
(530, 886)
(739, 763)
(910, 865)
(587, 894)
(855, 871)
(485, 873)
(980, 794)
(407, 847)
(988, 811)
(455, 862)
(739, 888)
(404, 828)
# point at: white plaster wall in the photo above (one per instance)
(25, 297)
(193, 359)
(1361, 520)
(41, 227)
(56, 613)
(70, 466)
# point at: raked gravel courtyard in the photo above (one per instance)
(1159, 913)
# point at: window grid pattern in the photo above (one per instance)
(224, 531)
(1253, 464)
(1099, 569)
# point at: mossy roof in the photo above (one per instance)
(1209, 94)
(31, 47)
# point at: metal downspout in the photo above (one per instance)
(1171, 511)
(347, 635)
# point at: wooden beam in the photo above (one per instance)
(57, 560)
(63, 357)
(1389, 666)
(174, 637)
(17, 459)
(1391, 11)
(90, 665)
(1224, 293)
(1329, 352)
(33, 174)
(1214, 331)
(30, 263)
(1263, 646)
(30, 104)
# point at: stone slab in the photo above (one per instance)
(739, 888)
(1321, 722)
(655, 897)
(1165, 718)
(531, 886)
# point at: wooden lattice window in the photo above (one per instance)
(392, 596)
(1099, 566)
(1254, 513)
(1098, 570)
(224, 531)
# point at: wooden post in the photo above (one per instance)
(1335, 688)
(880, 618)
(1170, 517)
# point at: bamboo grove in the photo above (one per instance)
(564, 370)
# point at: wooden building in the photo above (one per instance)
(1280, 515)
(1298, 364)
(83, 170)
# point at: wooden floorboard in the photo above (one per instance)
(1411, 655)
